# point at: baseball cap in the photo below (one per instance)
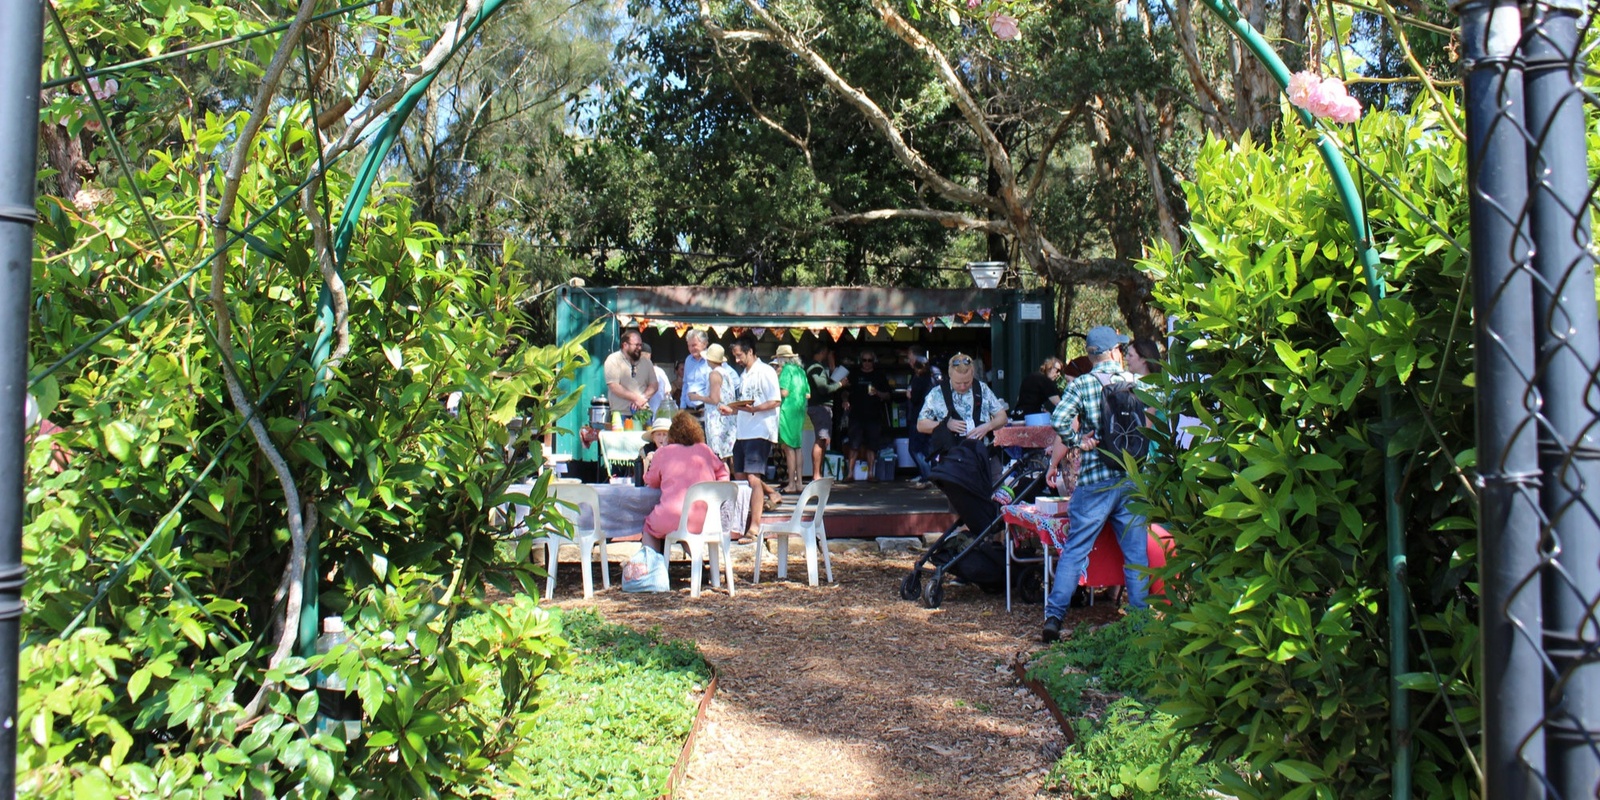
(1102, 339)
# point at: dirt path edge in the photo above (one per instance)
(681, 766)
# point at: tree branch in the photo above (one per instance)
(949, 219)
(903, 151)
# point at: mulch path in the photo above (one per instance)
(847, 691)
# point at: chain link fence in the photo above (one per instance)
(1530, 104)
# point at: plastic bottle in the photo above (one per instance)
(337, 712)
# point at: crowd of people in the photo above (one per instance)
(733, 411)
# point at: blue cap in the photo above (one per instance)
(1101, 340)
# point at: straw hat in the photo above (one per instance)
(658, 424)
(784, 351)
(715, 354)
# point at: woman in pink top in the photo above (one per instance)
(684, 462)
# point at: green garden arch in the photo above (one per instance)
(1355, 217)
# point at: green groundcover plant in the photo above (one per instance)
(1275, 646)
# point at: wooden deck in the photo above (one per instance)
(864, 510)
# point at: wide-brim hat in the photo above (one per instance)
(715, 353)
(784, 351)
(659, 424)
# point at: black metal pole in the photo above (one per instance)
(1508, 459)
(20, 54)
(1567, 334)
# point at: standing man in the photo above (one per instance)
(663, 395)
(869, 393)
(630, 376)
(1104, 489)
(972, 401)
(696, 375)
(757, 428)
(819, 406)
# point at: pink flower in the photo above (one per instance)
(1004, 26)
(1325, 98)
(1301, 85)
(974, 3)
(1347, 111)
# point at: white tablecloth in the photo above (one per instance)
(624, 507)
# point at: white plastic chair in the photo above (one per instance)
(811, 533)
(712, 540)
(570, 499)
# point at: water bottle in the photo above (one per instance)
(337, 713)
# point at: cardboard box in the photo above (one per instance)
(1053, 506)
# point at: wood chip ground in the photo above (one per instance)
(846, 692)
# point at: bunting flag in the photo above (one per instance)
(836, 331)
(964, 316)
(779, 333)
(759, 332)
(859, 333)
(737, 331)
(796, 333)
(892, 327)
(662, 327)
(984, 312)
(927, 322)
(642, 323)
(872, 330)
(722, 330)
(682, 327)
(624, 320)
(948, 320)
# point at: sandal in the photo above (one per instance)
(771, 502)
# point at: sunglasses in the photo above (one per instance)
(869, 360)
(961, 361)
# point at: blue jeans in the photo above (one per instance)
(919, 453)
(1092, 505)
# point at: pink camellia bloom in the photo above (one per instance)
(1301, 85)
(1004, 26)
(1347, 110)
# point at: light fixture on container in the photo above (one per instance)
(986, 274)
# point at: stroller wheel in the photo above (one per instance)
(911, 587)
(933, 594)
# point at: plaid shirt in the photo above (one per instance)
(1081, 402)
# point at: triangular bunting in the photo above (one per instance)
(662, 327)
(758, 332)
(948, 320)
(797, 333)
(737, 331)
(624, 320)
(892, 327)
(722, 330)
(681, 327)
(836, 331)
(984, 312)
(779, 333)
(927, 322)
(964, 316)
(643, 323)
(872, 330)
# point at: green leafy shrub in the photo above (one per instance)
(1277, 637)
(158, 555)
(1131, 754)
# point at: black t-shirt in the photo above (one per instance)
(921, 386)
(1034, 396)
(863, 406)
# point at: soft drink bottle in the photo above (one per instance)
(337, 713)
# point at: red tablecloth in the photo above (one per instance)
(1105, 560)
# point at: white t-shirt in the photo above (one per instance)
(759, 384)
(664, 392)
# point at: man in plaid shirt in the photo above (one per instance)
(1103, 489)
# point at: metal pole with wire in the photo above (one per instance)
(1508, 458)
(20, 53)
(1567, 335)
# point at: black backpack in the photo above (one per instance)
(1122, 422)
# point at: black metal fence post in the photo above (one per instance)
(20, 52)
(1567, 334)
(1508, 459)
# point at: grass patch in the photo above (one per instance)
(1114, 659)
(617, 717)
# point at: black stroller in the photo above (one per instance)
(971, 549)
